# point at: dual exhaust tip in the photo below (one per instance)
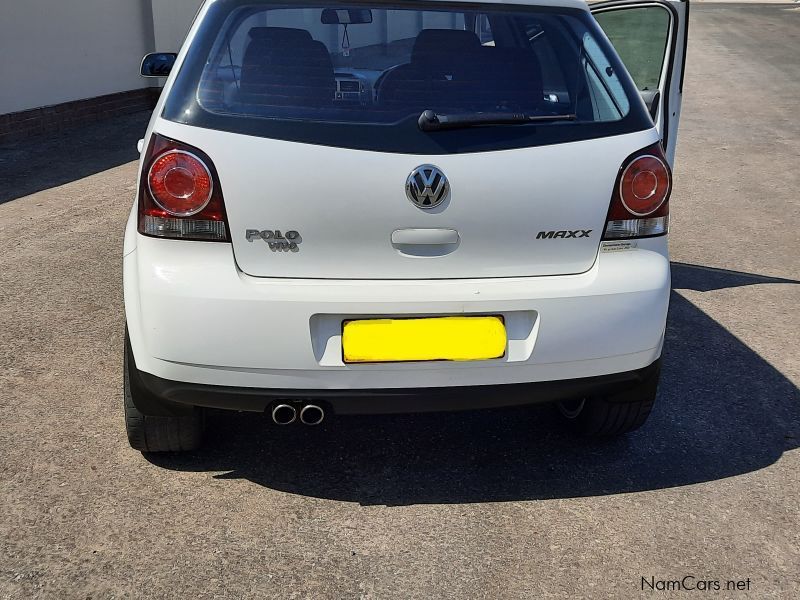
(286, 414)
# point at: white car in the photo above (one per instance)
(384, 207)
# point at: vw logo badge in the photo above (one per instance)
(427, 187)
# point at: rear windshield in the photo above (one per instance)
(360, 75)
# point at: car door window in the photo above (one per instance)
(608, 95)
(640, 36)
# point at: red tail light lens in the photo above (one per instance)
(180, 183)
(644, 185)
(640, 202)
(180, 196)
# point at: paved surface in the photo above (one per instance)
(495, 505)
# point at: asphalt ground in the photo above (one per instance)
(499, 504)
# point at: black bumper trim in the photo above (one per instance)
(180, 395)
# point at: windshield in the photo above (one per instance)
(384, 65)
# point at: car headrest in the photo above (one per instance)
(279, 35)
(286, 67)
(443, 42)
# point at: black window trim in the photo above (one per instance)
(182, 105)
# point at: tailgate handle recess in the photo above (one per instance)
(425, 237)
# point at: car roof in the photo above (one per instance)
(565, 3)
(580, 4)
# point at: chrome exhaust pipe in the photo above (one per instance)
(312, 415)
(284, 414)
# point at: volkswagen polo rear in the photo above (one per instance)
(393, 207)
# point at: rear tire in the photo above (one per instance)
(612, 415)
(150, 433)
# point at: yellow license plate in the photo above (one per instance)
(437, 338)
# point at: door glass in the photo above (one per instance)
(640, 36)
(608, 95)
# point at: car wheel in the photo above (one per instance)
(153, 433)
(612, 415)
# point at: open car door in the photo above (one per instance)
(650, 38)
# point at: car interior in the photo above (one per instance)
(503, 64)
(287, 67)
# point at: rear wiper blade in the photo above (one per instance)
(431, 121)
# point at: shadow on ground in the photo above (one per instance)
(37, 163)
(722, 411)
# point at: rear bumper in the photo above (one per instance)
(164, 397)
(194, 318)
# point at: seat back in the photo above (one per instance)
(450, 69)
(510, 76)
(286, 67)
(443, 46)
(436, 55)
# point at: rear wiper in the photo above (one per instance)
(431, 121)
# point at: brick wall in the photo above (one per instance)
(78, 112)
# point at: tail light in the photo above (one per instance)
(180, 196)
(640, 201)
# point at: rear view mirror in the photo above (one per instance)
(158, 64)
(346, 16)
